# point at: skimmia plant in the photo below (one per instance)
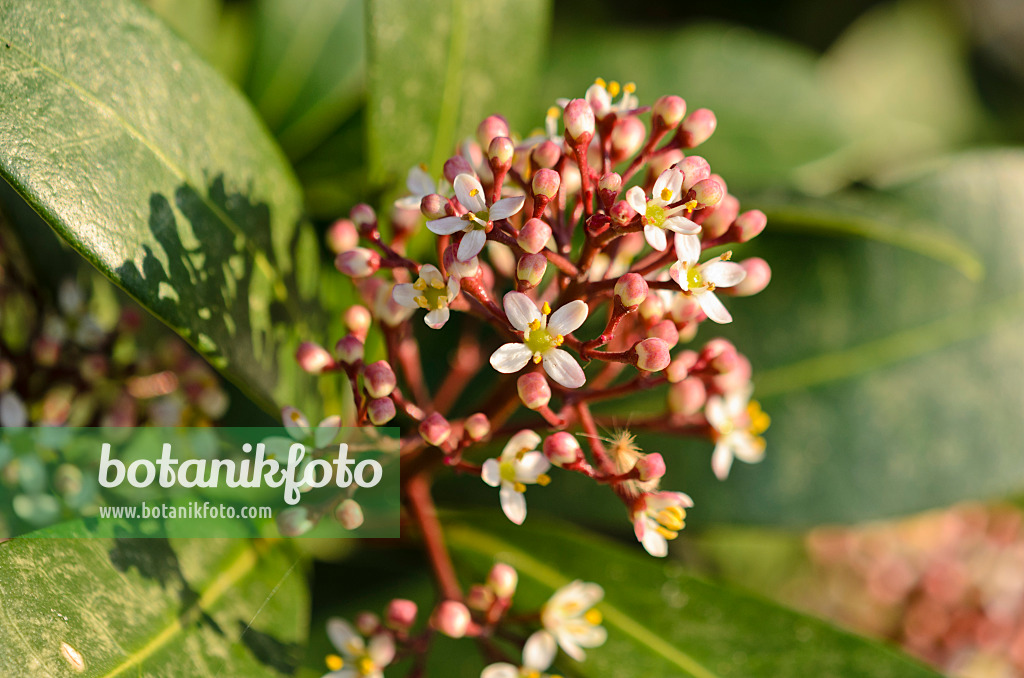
(582, 265)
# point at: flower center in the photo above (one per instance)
(366, 666)
(694, 279)
(759, 419)
(540, 341)
(507, 471)
(432, 296)
(655, 215)
(670, 520)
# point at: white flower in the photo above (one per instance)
(541, 338)
(550, 133)
(570, 616)
(428, 292)
(420, 185)
(700, 280)
(738, 422)
(600, 96)
(656, 214)
(297, 426)
(475, 222)
(657, 518)
(358, 659)
(519, 465)
(538, 653)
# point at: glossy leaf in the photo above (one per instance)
(663, 622)
(155, 607)
(157, 171)
(438, 67)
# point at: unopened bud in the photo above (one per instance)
(503, 580)
(434, 206)
(759, 274)
(477, 426)
(546, 183)
(750, 224)
(349, 349)
(650, 466)
(534, 390)
(720, 218)
(708, 192)
(363, 217)
(313, 358)
(379, 379)
(697, 128)
(367, 623)
(358, 263)
(404, 219)
(652, 355)
(652, 309)
(357, 319)
(451, 618)
(579, 121)
(627, 137)
(561, 449)
(531, 268)
(662, 161)
(720, 354)
(669, 110)
(534, 236)
(500, 152)
(610, 181)
(342, 236)
(547, 154)
(621, 213)
(349, 514)
(631, 289)
(480, 598)
(491, 127)
(687, 396)
(666, 331)
(694, 169)
(456, 165)
(294, 522)
(435, 429)
(680, 366)
(401, 614)
(381, 411)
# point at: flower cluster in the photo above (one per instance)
(569, 620)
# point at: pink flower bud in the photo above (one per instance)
(571, 178)
(500, 152)
(666, 331)
(380, 411)
(670, 110)
(435, 206)
(685, 308)
(759, 274)
(342, 236)
(736, 378)
(650, 466)
(627, 137)
(363, 217)
(349, 514)
(652, 309)
(404, 220)
(313, 358)
(631, 289)
(349, 349)
(358, 263)
(697, 128)
(719, 179)
(687, 396)
(534, 390)
(401, 614)
(435, 429)
(451, 618)
(652, 355)
(503, 580)
(720, 354)
(546, 183)
(720, 217)
(579, 121)
(708, 192)
(680, 366)
(358, 319)
(531, 268)
(456, 165)
(477, 426)
(480, 598)
(561, 449)
(294, 522)
(534, 236)
(662, 161)
(547, 154)
(750, 224)
(491, 127)
(379, 379)
(367, 623)
(621, 213)
(611, 182)
(694, 169)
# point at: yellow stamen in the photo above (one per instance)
(559, 340)
(554, 112)
(543, 479)
(334, 662)
(420, 284)
(690, 205)
(422, 302)
(519, 487)
(601, 83)
(666, 533)
(613, 88)
(546, 308)
(629, 87)
(726, 256)
(666, 194)
(537, 357)
(670, 520)
(366, 666)
(534, 325)
(593, 616)
(532, 673)
(441, 301)
(759, 419)
(437, 284)
(711, 287)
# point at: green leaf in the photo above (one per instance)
(157, 171)
(438, 67)
(663, 622)
(155, 607)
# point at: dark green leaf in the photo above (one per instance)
(157, 171)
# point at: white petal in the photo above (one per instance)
(721, 459)
(713, 307)
(655, 544)
(678, 272)
(747, 447)
(672, 179)
(563, 368)
(470, 193)
(530, 466)
(716, 413)
(405, 294)
(409, 202)
(586, 634)
(295, 423)
(682, 225)
(471, 244)
(637, 199)
(656, 237)
(490, 472)
(568, 318)
(539, 651)
(688, 249)
(430, 274)
(513, 504)
(722, 273)
(453, 288)
(500, 670)
(506, 207)
(510, 358)
(419, 182)
(327, 430)
(436, 319)
(381, 649)
(520, 309)
(568, 644)
(523, 440)
(344, 637)
(447, 225)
